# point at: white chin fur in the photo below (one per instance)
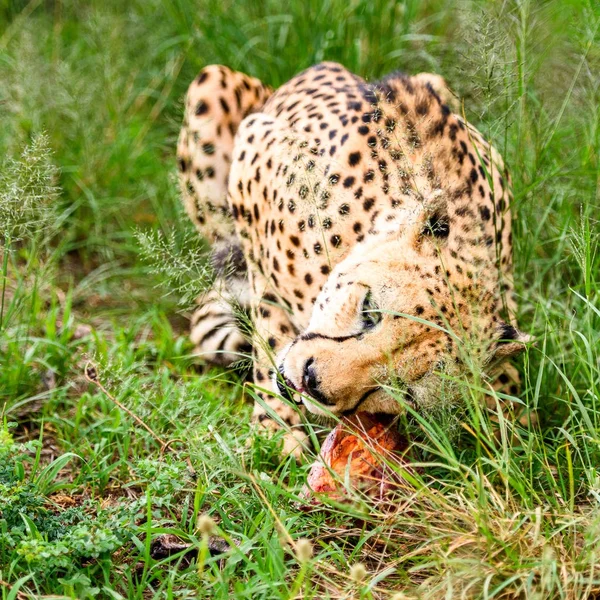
(381, 402)
(316, 409)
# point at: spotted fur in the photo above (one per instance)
(375, 227)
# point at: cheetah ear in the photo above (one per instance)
(509, 341)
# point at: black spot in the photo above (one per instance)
(348, 182)
(452, 131)
(336, 241)
(422, 108)
(437, 225)
(484, 211)
(353, 158)
(201, 108)
(508, 333)
(224, 105)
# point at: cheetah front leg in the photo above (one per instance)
(219, 328)
(216, 103)
(273, 330)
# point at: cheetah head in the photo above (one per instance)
(400, 311)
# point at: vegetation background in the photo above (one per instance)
(90, 105)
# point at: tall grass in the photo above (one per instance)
(91, 102)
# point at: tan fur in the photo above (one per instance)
(333, 185)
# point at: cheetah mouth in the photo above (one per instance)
(302, 395)
(295, 388)
(361, 400)
(287, 388)
(297, 393)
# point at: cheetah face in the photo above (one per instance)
(379, 320)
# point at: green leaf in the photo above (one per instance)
(45, 479)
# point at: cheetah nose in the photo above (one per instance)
(310, 383)
(309, 378)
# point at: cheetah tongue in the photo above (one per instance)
(365, 446)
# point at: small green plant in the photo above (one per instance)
(40, 533)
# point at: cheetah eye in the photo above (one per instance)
(369, 313)
(437, 226)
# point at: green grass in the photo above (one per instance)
(90, 106)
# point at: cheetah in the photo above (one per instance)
(365, 227)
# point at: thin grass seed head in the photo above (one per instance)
(27, 192)
(358, 573)
(304, 550)
(206, 525)
(183, 264)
